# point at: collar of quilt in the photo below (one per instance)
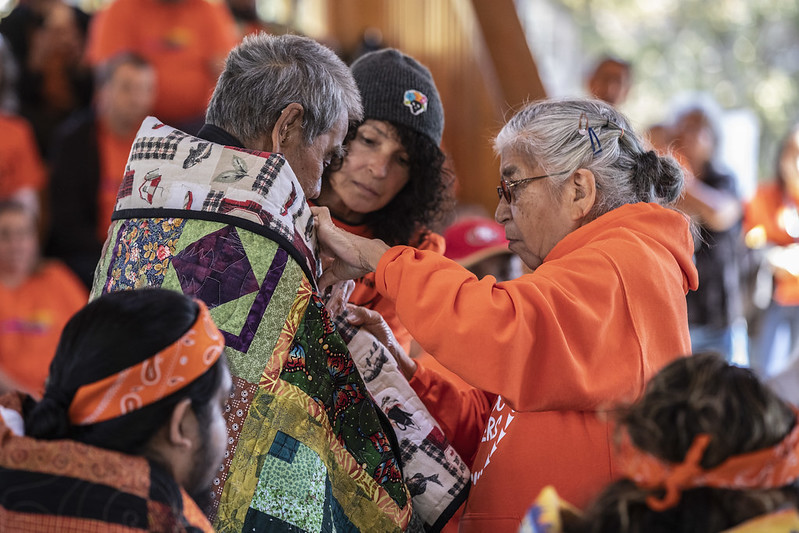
(171, 173)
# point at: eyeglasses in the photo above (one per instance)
(505, 186)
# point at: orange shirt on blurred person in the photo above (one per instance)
(20, 163)
(769, 219)
(113, 151)
(186, 41)
(32, 316)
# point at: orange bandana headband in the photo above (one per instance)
(761, 469)
(166, 372)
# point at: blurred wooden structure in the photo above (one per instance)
(479, 57)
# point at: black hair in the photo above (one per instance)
(110, 334)
(424, 204)
(694, 395)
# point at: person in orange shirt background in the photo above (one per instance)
(48, 39)
(36, 300)
(22, 173)
(88, 161)
(186, 41)
(771, 221)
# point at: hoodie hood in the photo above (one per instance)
(173, 174)
(665, 232)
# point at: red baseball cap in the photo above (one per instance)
(473, 239)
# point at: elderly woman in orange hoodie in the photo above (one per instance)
(587, 208)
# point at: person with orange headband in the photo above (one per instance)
(131, 428)
(708, 448)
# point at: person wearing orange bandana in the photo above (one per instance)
(131, 428)
(708, 448)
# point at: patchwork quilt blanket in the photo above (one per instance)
(308, 448)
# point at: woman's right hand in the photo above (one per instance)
(344, 255)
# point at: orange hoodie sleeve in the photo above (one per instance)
(366, 295)
(532, 340)
(461, 413)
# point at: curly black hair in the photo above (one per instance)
(425, 203)
(690, 396)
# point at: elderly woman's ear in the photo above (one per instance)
(581, 188)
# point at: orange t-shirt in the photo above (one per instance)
(113, 152)
(185, 41)
(20, 163)
(31, 319)
(767, 210)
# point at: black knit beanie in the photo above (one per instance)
(397, 88)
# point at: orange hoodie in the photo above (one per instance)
(603, 313)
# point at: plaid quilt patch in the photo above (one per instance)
(268, 173)
(163, 148)
(126, 188)
(213, 201)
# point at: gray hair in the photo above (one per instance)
(265, 73)
(566, 135)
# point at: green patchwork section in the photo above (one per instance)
(257, 433)
(230, 316)
(293, 491)
(171, 279)
(260, 252)
(194, 231)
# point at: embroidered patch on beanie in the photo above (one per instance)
(416, 101)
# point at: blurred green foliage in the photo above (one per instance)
(745, 53)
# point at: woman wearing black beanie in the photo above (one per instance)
(392, 184)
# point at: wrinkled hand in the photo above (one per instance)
(338, 296)
(374, 323)
(344, 255)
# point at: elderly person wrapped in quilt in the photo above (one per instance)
(224, 218)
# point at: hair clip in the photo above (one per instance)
(582, 124)
(592, 136)
(584, 129)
